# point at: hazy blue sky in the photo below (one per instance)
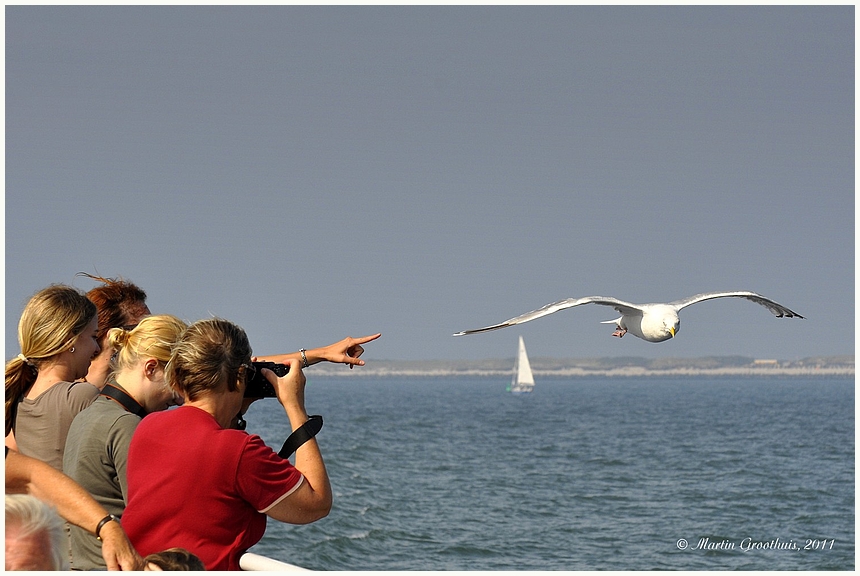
(317, 172)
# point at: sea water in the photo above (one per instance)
(582, 474)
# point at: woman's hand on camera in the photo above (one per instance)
(290, 388)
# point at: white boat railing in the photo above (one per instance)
(257, 563)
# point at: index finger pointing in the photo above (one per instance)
(365, 339)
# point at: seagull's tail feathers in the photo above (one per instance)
(617, 322)
(479, 330)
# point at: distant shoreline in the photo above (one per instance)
(625, 367)
(574, 373)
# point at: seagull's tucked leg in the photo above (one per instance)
(620, 330)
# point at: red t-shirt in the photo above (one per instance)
(195, 485)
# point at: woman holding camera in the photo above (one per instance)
(196, 483)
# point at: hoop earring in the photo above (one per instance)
(72, 350)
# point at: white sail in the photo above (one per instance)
(523, 381)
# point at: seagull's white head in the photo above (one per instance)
(658, 322)
(672, 325)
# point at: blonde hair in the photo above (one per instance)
(153, 337)
(49, 324)
(210, 352)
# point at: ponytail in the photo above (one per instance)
(117, 338)
(20, 376)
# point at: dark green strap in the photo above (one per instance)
(304, 433)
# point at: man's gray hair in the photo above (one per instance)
(31, 516)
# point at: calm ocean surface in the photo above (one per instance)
(582, 474)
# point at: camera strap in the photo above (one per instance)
(301, 435)
(125, 399)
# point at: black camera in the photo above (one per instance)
(258, 386)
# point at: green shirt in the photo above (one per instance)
(96, 456)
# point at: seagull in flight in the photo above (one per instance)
(650, 322)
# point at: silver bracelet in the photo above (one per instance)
(304, 358)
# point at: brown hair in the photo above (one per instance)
(49, 324)
(175, 559)
(209, 352)
(119, 302)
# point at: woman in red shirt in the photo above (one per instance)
(196, 483)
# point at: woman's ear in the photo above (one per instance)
(150, 367)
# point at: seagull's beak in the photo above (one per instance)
(672, 331)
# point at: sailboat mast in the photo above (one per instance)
(516, 372)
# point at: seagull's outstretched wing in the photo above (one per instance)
(625, 308)
(776, 308)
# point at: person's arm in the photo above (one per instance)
(120, 439)
(346, 351)
(25, 475)
(312, 500)
(117, 550)
(11, 444)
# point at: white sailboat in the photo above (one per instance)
(522, 381)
